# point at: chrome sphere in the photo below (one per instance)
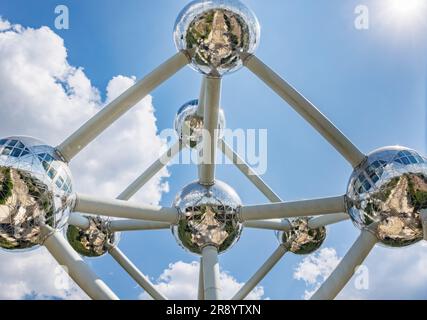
(386, 194)
(300, 238)
(94, 241)
(209, 217)
(218, 31)
(189, 125)
(35, 190)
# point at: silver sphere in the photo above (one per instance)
(219, 31)
(35, 190)
(386, 194)
(94, 241)
(189, 125)
(300, 239)
(209, 217)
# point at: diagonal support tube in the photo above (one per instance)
(77, 269)
(261, 273)
(210, 132)
(347, 267)
(109, 114)
(306, 109)
(275, 224)
(248, 172)
(124, 209)
(155, 168)
(293, 209)
(210, 273)
(327, 220)
(133, 271)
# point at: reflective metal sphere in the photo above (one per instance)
(386, 193)
(209, 216)
(300, 238)
(189, 125)
(93, 241)
(35, 190)
(218, 31)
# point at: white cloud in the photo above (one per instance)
(4, 25)
(391, 273)
(313, 270)
(180, 282)
(35, 275)
(42, 95)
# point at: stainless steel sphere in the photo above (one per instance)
(219, 31)
(35, 190)
(209, 216)
(300, 238)
(94, 241)
(386, 194)
(189, 125)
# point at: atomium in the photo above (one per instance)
(386, 194)
(93, 241)
(209, 217)
(35, 190)
(386, 197)
(219, 31)
(300, 239)
(189, 124)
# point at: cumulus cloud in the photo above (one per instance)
(387, 274)
(314, 270)
(35, 275)
(393, 274)
(180, 282)
(42, 95)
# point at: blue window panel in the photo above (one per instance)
(412, 159)
(12, 143)
(367, 185)
(3, 142)
(16, 153)
(52, 173)
(375, 178)
(59, 182)
(405, 160)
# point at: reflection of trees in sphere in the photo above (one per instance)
(93, 241)
(209, 216)
(387, 192)
(35, 190)
(218, 30)
(300, 238)
(189, 125)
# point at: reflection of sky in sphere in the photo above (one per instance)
(94, 241)
(218, 31)
(36, 189)
(209, 217)
(388, 191)
(300, 239)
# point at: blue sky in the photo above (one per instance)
(371, 84)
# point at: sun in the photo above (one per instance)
(407, 10)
